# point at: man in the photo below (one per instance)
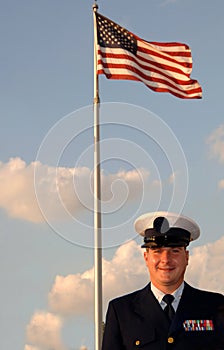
(168, 313)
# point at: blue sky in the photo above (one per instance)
(155, 147)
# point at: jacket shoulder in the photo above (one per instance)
(204, 294)
(130, 296)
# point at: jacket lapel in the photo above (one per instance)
(186, 307)
(148, 308)
(152, 315)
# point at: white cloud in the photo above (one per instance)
(221, 184)
(216, 144)
(44, 331)
(122, 187)
(72, 295)
(30, 347)
(61, 190)
(37, 192)
(17, 195)
(173, 178)
(204, 268)
(126, 272)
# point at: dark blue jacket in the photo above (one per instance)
(137, 321)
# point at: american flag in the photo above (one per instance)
(163, 67)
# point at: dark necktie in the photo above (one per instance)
(169, 310)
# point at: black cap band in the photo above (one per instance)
(174, 237)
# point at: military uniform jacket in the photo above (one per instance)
(137, 321)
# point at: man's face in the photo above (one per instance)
(166, 266)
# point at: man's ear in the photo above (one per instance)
(187, 256)
(145, 256)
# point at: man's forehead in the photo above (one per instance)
(165, 249)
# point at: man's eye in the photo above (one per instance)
(175, 250)
(157, 251)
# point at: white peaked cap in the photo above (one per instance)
(146, 221)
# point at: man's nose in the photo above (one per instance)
(165, 256)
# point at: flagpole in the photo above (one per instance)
(97, 204)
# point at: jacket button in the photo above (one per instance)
(137, 342)
(170, 340)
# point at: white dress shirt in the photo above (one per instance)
(159, 296)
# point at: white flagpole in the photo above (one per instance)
(97, 204)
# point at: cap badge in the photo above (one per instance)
(161, 224)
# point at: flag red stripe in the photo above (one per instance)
(166, 57)
(145, 76)
(113, 71)
(195, 91)
(144, 72)
(163, 67)
(125, 56)
(167, 44)
(147, 79)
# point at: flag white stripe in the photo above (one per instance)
(146, 70)
(154, 84)
(148, 61)
(163, 67)
(171, 47)
(126, 71)
(179, 59)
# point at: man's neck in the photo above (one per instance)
(167, 289)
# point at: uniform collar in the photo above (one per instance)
(159, 295)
